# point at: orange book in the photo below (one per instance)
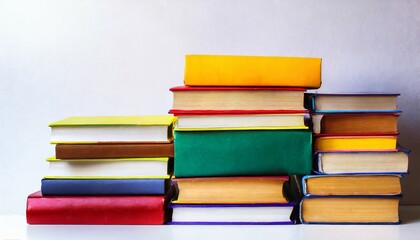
(356, 143)
(222, 70)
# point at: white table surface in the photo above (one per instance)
(14, 227)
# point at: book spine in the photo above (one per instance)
(92, 187)
(95, 210)
(79, 151)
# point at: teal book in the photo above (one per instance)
(242, 153)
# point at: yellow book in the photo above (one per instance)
(219, 70)
(356, 143)
(97, 129)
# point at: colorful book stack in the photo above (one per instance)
(239, 132)
(358, 159)
(107, 170)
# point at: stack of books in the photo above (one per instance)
(358, 159)
(107, 170)
(239, 133)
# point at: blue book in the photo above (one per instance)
(351, 185)
(85, 187)
(352, 102)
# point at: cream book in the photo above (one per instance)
(97, 129)
(109, 168)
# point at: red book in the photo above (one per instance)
(95, 209)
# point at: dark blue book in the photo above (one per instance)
(352, 102)
(85, 187)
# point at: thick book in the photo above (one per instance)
(116, 150)
(113, 129)
(109, 168)
(350, 210)
(224, 70)
(242, 153)
(232, 214)
(351, 185)
(355, 123)
(96, 209)
(237, 98)
(103, 187)
(356, 143)
(352, 102)
(240, 121)
(232, 190)
(362, 162)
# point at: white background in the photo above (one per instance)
(119, 57)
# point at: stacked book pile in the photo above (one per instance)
(239, 133)
(107, 170)
(358, 159)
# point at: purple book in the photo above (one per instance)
(232, 214)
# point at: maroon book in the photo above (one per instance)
(96, 209)
(118, 150)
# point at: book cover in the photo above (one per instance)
(223, 70)
(232, 214)
(356, 143)
(103, 187)
(96, 209)
(87, 151)
(242, 153)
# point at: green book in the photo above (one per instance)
(242, 153)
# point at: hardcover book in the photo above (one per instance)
(115, 150)
(103, 187)
(110, 168)
(352, 102)
(232, 190)
(237, 98)
(362, 162)
(234, 214)
(96, 209)
(355, 123)
(129, 129)
(356, 143)
(223, 70)
(351, 185)
(240, 121)
(242, 153)
(350, 210)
